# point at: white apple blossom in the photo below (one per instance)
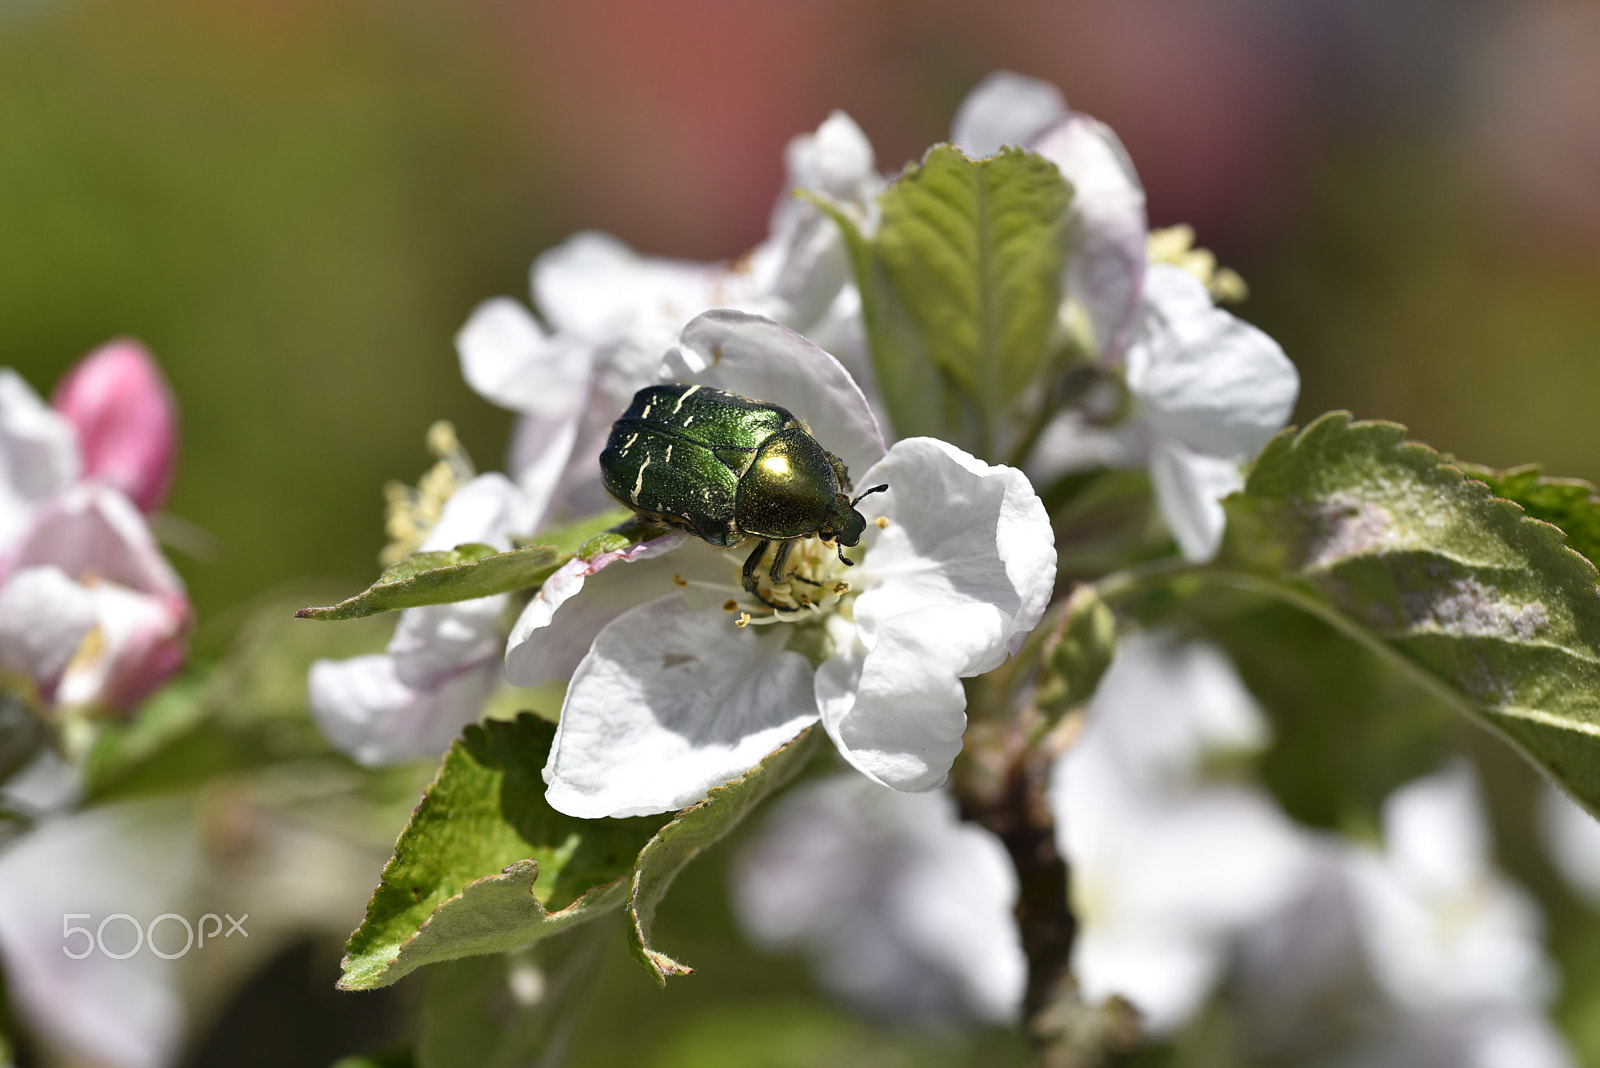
(90, 611)
(1571, 839)
(609, 312)
(443, 661)
(902, 907)
(1168, 867)
(671, 695)
(1207, 390)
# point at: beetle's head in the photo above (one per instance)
(844, 522)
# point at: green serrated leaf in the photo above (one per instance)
(695, 829)
(961, 286)
(458, 574)
(485, 865)
(1483, 604)
(1569, 503)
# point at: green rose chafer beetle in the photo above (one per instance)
(726, 468)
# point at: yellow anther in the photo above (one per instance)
(730, 605)
(743, 620)
(883, 522)
(679, 581)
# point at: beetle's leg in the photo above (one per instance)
(779, 558)
(843, 559)
(752, 585)
(749, 573)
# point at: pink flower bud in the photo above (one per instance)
(126, 419)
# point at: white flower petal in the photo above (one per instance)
(93, 529)
(39, 454)
(538, 652)
(1202, 377)
(375, 719)
(1165, 978)
(1107, 229)
(539, 456)
(671, 701)
(487, 511)
(434, 642)
(1571, 839)
(595, 286)
(960, 532)
(836, 161)
(1440, 926)
(1164, 709)
(507, 358)
(44, 617)
(955, 582)
(1189, 488)
(756, 357)
(142, 642)
(1005, 109)
(902, 907)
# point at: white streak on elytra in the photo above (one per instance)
(686, 395)
(631, 439)
(646, 413)
(687, 421)
(668, 460)
(638, 482)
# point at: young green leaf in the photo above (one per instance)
(961, 286)
(458, 574)
(472, 570)
(1569, 503)
(485, 865)
(695, 829)
(1482, 603)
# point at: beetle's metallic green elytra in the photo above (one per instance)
(725, 468)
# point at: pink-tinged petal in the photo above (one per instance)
(38, 453)
(538, 652)
(126, 418)
(1005, 109)
(140, 641)
(93, 531)
(1189, 488)
(755, 357)
(672, 700)
(44, 618)
(952, 586)
(1201, 376)
(1107, 230)
(374, 718)
(508, 359)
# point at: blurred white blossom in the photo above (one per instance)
(1169, 866)
(902, 908)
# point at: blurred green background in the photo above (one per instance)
(295, 205)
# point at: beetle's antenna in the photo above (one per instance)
(843, 559)
(868, 493)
